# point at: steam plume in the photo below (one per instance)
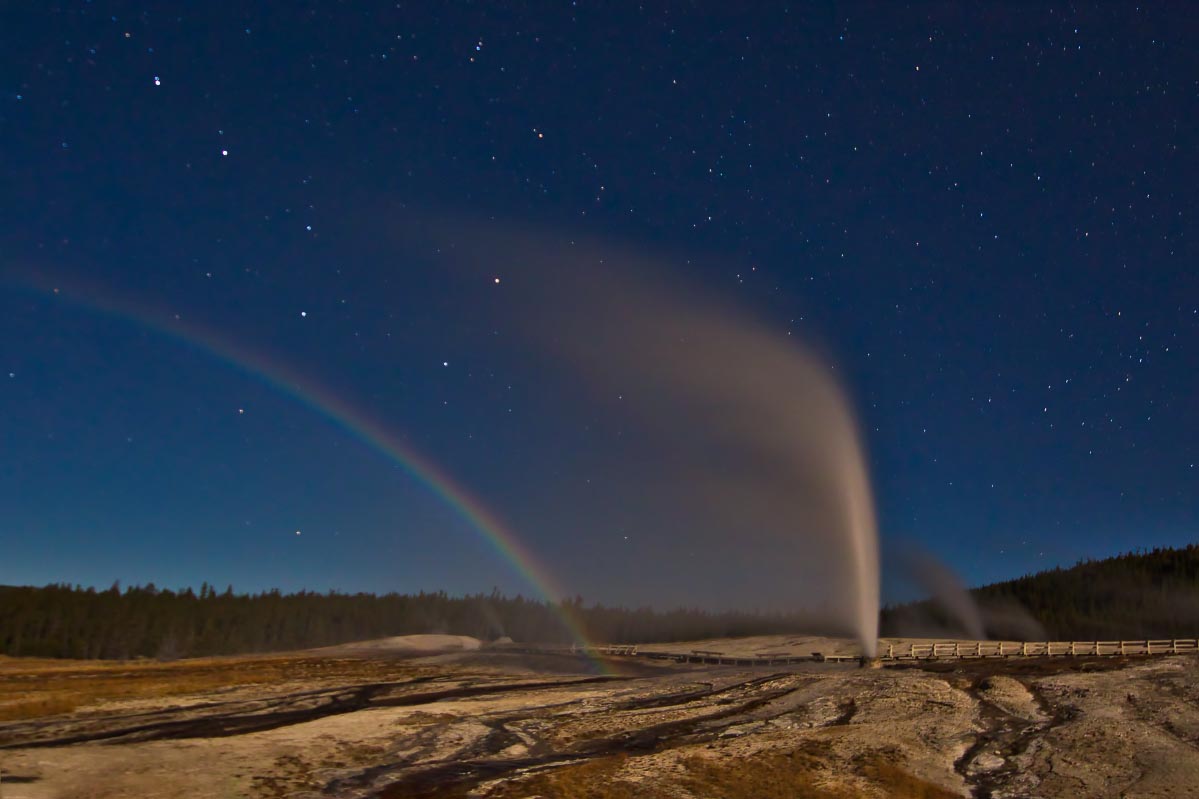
(731, 452)
(947, 590)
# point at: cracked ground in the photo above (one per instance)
(505, 725)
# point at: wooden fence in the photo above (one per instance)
(941, 650)
(1005, 649)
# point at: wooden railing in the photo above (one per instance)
(605, 649)
(939, 650)
(1003, 649)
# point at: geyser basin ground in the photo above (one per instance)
(490, 724)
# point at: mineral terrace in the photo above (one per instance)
(394, 720)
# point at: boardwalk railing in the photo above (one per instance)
(629, 650)
(1004, 649)
(940, 650)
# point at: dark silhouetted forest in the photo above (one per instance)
(1145, 594)
(1151, 594)
(144, 621)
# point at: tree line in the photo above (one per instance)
(1143, 594)
(144, 621)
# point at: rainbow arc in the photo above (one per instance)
(322, 400)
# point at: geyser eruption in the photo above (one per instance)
(725, 451)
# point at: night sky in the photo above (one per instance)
(985, 219)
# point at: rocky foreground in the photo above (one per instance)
(495, 724)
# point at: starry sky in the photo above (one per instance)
(985, 218)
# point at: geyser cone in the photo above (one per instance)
(724, 452)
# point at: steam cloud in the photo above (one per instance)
(951, 610)
(724, 450)
(947, 590)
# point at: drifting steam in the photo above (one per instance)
(951, 610)
(725, 453)
(947, 591)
